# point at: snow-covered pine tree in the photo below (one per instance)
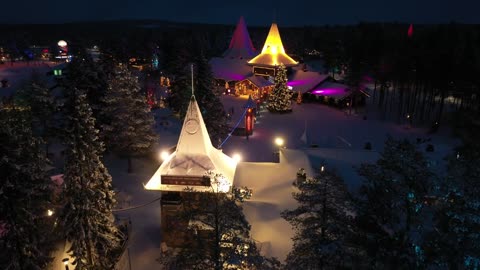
(85, 74)
(36, 96)
(87, 218)
(178, 65)
(454, 243)
(321, 224)
(213, 112)
(130, 130)
(217, 235)
(279, 99)
(25, 195)
(390, 209)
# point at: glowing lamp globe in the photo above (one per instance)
(237, 157)
(62, 43)
(279, 141)
(164, 155)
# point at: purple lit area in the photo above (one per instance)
(229, 76)
(330, 92)
(300, 82)
(230, 69)
(330, 89)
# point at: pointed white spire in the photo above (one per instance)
(191, 68)
(194, 156)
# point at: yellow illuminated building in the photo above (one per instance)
(273, 53)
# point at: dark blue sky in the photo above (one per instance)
(256, 12)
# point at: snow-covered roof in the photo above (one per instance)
(272, 193)
(273, 53)
(241, 45)
(194, 157)
(305, 81)
(230, 69)
(259, 81)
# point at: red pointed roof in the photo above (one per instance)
(241, 45)
(410, 31)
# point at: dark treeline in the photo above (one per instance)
(422, 76)
(412, 75)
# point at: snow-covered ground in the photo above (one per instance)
(340, 138)
(21, 72)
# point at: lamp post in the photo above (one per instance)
(279, 142)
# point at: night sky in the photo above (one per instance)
(256, 12)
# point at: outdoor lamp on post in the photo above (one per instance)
(279, 142)
(65, 262)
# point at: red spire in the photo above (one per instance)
(241, 44)
(410, 31)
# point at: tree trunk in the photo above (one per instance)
(90, 251)
(216, 252)
(424, 103)
(400, 106)
(382, 95)
(442, 105)
(129, 168)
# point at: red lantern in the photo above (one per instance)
(249, 121)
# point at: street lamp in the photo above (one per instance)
(279, 142)
(49, 212)
(237, 157)
(65, 262)
(164, 155)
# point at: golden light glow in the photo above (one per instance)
(164, 155)
(273, 52)
(237, 157)
(279, 141)
(49, 212)
(62, 43)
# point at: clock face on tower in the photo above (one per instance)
(191, 126)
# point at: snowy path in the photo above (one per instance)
(144, 242)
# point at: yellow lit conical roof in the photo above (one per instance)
(273, 53)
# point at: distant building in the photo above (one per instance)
(252, 73)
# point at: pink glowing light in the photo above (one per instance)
(331, 92)
(299, 82)
(410, 31)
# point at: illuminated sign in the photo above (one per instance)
(184, 180)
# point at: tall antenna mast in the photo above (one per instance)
(191, 68)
